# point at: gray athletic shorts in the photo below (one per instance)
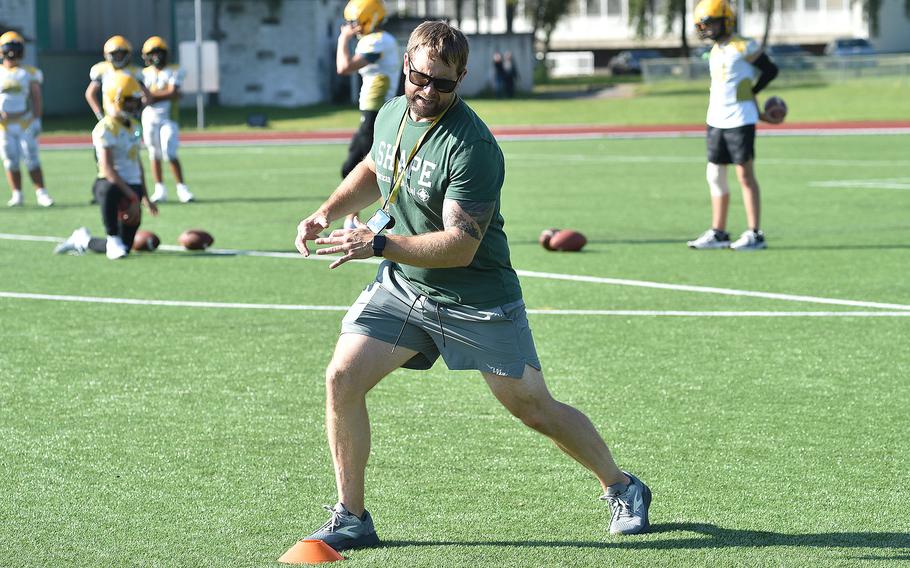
(493, 340)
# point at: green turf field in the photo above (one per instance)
(151, 435)
(664, 103)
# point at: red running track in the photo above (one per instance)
(553, 132)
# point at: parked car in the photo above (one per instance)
(629, 61)
(789, 56)
(849, 46)
(786, 50)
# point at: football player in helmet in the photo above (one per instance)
(739, 71)
(159, 118)
(376, 59)
(20, 119)
(120, 185)
(117, 51)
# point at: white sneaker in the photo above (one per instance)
(184, 194)
(15, 200)
(115, 248)
(160, 194)
(750, 240)
(77, 243)
(44, 199)
(351, 223)
(711, 239)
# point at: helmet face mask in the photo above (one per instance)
(711, 28)
(714, 19)
(12, 46)
(118, 58)
(117, 51)
(125, 96)
(154, 52)
(156, 57)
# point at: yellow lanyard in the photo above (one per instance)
(393, 193)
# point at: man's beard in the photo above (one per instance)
(421, 108)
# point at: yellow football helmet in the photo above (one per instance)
(124, 94)
(117, 50)
(368, 14)
(709, 12)
(154, 51)
(12, 45)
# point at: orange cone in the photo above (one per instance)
(310, 552)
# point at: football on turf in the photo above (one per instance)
(146, 241)
(775, 110)
(195, 239)
(567, 240)
(545, 237)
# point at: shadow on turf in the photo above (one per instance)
(717, 537)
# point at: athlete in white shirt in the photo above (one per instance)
(159, 118)
(20, 120)
(739, 70)
(120, 186)
(376, 59)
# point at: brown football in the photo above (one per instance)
(545, 237)
(775, 109)
(195, 239)
(567, 240)
(146, 241)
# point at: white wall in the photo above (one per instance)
(20, 16)
(285, 58)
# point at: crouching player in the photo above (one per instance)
(120, 186)
(159, 118)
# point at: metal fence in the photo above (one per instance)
(794, 69)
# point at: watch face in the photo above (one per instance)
(378, 245)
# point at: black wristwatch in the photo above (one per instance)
(378, 244)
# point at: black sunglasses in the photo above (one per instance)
(422, 80)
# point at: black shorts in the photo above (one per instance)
(731, 145)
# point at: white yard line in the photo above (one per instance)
(557, 276)
(896, 183)
(329, 308)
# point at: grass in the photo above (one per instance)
(663, 103)
(174, 436)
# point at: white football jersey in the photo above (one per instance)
(124, 141)
(380, 78)
(156, 80)
(732, 103)
(15, 87)
(103, 71)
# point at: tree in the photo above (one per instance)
(544, 15)
(641, 16)
(511, 5)
(674, 9)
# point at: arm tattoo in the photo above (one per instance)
(471, 217)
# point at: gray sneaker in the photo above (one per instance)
(711, 239)
(630, 505)
(750, 240)
(346, 530)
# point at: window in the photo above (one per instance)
(593, 8)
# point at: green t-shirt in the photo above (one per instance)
(459, 159)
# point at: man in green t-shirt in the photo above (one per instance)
(446, 288)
